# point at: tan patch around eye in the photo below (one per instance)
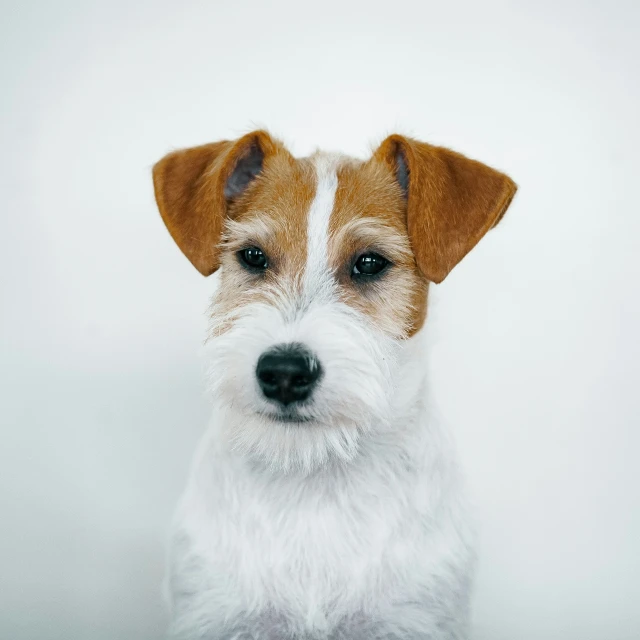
(272, 215)
(279, 202)
(370, 215)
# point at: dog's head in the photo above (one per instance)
(324, 264)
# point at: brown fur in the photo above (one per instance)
(271, 215)
(279, 199)
(189, 189)
(451, 203)
(369, 191)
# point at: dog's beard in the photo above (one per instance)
(352, 399)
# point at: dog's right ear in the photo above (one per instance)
(194, 188)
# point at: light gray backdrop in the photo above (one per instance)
(536, 349)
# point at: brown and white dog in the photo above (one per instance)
(324, 501)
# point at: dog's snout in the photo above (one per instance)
(287, 373)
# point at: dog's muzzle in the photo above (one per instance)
(288, 373)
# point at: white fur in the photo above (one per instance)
(351, 527)
(317, 279)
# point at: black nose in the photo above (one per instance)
(287, 373)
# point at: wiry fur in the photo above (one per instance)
(343, 407)
(351, 523)
(307, 540)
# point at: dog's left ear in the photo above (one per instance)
(194, 188)
(452, 201)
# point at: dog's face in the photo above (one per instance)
(324, 266)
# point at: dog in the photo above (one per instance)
(324, 501)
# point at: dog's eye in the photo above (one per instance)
(254, 258)
(369, 264)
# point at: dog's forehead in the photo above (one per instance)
(368, 190)
(304, 202)
(313, 217)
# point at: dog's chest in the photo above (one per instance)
(314, 554)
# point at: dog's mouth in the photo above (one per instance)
(287, 417)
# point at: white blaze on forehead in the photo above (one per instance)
(317, 275)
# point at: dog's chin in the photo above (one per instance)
(287, 441)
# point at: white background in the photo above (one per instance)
(536, 352)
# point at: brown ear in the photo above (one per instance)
(194, 187)
(452, 201)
